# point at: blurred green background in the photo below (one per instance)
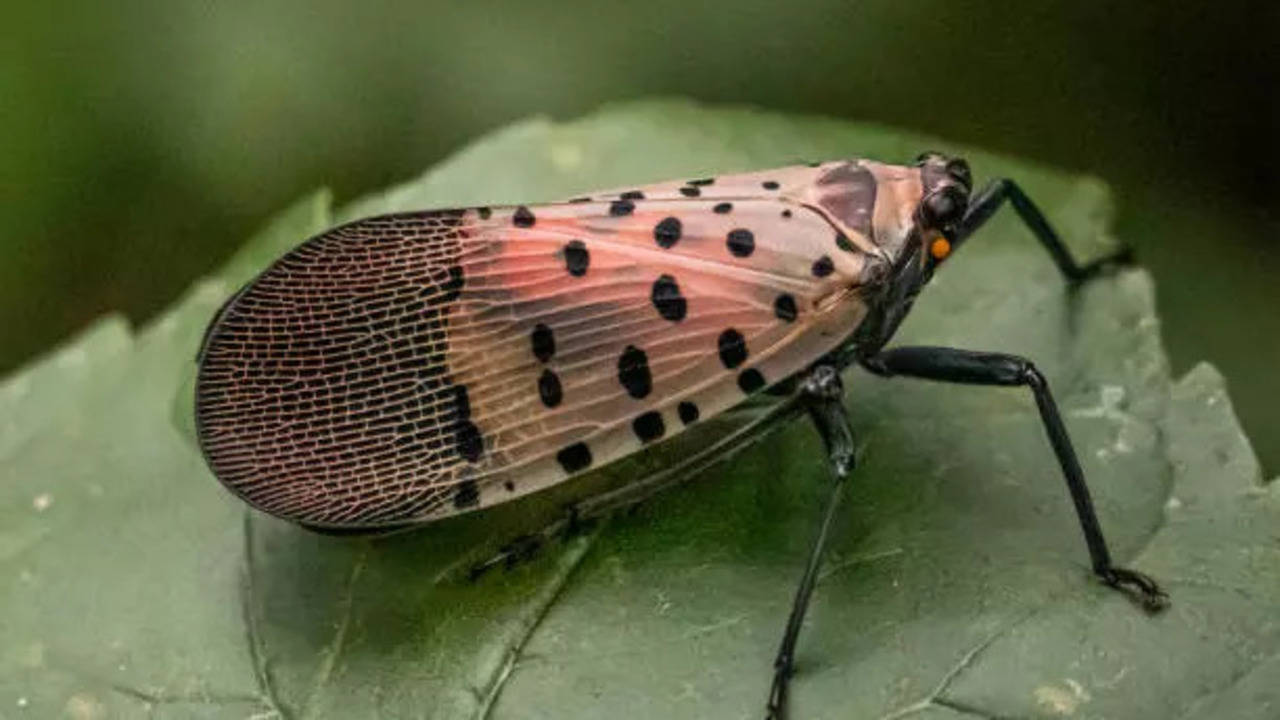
(141, 142)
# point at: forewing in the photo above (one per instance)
(407, 367)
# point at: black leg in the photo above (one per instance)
(821, 391)
(589, 511)
(988, 200)
(977, 368)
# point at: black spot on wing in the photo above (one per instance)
(461, 403)
(549, 389)
(633, 372)
(523, 217)
(466, 494)
(574, 457)
(732, 348)
(741, 242)
(649, 426)
(667, 299)
(667, 232)
(576, 258)
(823, 266)
(543, 341)
(467, 441)
(451, 288)
(619, 208)
(688, 412)
(785, 307)
(750, 380)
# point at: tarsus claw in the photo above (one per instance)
(1146, 590)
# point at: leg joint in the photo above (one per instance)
(823, 383)
(875, 365)
(1032, 376)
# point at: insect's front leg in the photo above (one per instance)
(979, 368)
(821, 392)
(987, 201)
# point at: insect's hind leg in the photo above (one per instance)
(821, 393)
(517, 550)
(987, 201)
(979, 368)
(522, 548)
(588, 512)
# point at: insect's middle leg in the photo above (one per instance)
(979, 368)
(821, 392)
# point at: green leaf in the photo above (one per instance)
(957, 585)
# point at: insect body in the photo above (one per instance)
(404, 368)
(409, 367)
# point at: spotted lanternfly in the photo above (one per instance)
(405, 368)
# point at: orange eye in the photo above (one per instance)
(940, 248)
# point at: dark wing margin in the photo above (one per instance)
(323, 395)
